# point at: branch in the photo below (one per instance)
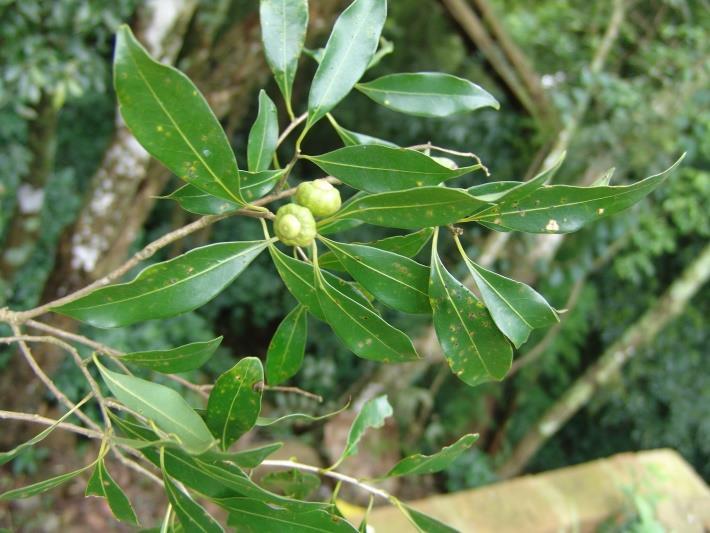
(37, 419)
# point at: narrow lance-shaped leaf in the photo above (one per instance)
(287, 347)
(427, 523)
(42, 486)
(172, 120)
(252, 457)
(427, 94)
(350, 48)
(264, 133)
(372, 415)
(235, 401)
(181, 359)
(430, 464)
(163, 405)
(101, 484)
(363, 331)
(395, 280)
(566, 208)
(298, 417)
(375, 168)
(166, 289)
(472, 344)
(516, 308)
(411, 209)
(353, 138)
(283, 31)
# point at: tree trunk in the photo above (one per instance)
(668, 306)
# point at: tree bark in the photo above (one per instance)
(668, 306)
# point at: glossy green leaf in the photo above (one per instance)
(296, 417)
(490, 192)
(181, 359)
(395, 280)
(362, 330)
(384, 49)
(253, 516)
(566, 208)
(291, 483)
(166, 289)
(254, 186)
(427, 94)
(283, 31)
(350, 48)
(164, 406)
(516, 308)
(298, 278)
(430, 464)
(172, 120)
(352, 138)
(426, 523)
(412, 209)
(235, 401)
(472, 344)
(287, 347)
(372, 415)
(264, 133)
(101, 484)
(192, 515)
(252, 457)
(375, 168)
(42, 486)
(17, 450)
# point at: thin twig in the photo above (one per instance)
(292, 126)
(37, 419)
(429, 146)
(292, 390)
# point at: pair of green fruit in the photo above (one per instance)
(295, 223)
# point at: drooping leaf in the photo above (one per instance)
(430, 464)
(166, 289)
(375, 168)
(516, 308)
(235, 401)
(42, 486)
(418, 208)
(172, 120)
(287, 347)
(17, 450)
(181, 359)
(291, 483)
(472, 344)
(566, 208)
(253, 516)
(427, 94)
(192, 515)
(295, 417)
(395, 280)
(261, 144)
(254, 186)
(352, 138)
(283, 31)
(427, 523)
(372, 415)
(101, 484)
(351, 46)
(164, 406)
(362, 330)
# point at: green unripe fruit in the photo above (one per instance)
(294, 225)
(319, 196)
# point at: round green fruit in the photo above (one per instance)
(294, 225)
(319, 196)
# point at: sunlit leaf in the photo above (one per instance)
(181, 359)
(427, 523)
(372, 415)
(287, 347)
(430, 464)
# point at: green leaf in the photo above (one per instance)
(361, 329)
(164, 406)
(298, 278)
(283, 31)
(42, 486)
(427, 94)
(430, 464)
(516, 308)
(372, 415)
(181, 359)
(101, 484)
(252, 457)
(395, 280)
(350, 48)
(427, 523)
(472, 344)
(254, 186)
(166, 289)
(375, 168)
(10, 455)
(566, 208)
(411, 209)
(172, 120)
(352, 138)
(235, 401)
(490, 192)
(264, 421)
(261, 145)
(291, 483)
(192, 515)
(287, 347)
(253, 516)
